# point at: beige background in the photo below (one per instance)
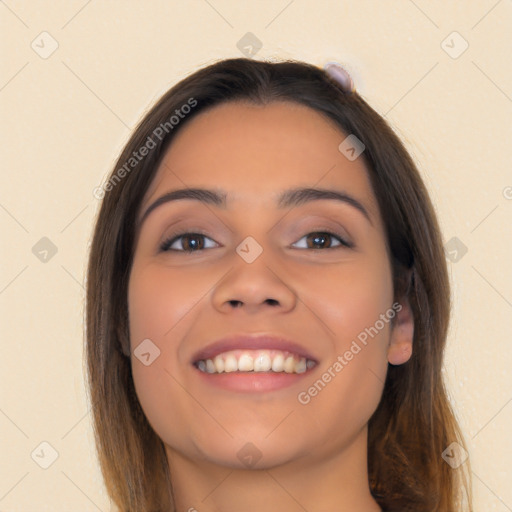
(65, 118)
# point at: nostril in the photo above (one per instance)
(238, 303)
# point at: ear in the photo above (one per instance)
(402, 333)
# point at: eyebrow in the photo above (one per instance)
(288, 198)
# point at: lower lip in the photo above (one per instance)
(252, 382)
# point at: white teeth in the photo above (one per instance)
(300, 367)
(230, 364)
(289, 364)
(278, 363)
(210, 367)
(219, 364)
(261, 364)
(245, 363)
(255, 361)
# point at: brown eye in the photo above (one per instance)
(323, 240)
(190, 242)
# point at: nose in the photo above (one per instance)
(252, 288)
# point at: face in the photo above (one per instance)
(315, 272)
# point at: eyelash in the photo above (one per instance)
(166, 244)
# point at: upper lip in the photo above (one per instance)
(251, 342)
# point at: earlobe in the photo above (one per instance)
(402, 334)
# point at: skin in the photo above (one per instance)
(314, 455)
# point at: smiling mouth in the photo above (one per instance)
(255, 361)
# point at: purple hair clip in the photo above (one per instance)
(341, 76)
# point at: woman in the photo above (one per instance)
(267, 306)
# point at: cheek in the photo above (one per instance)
(349, 304)
(158, 304)
(351, 299)
(163, 304)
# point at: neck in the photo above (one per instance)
(313, 482)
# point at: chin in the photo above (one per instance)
(244, 453)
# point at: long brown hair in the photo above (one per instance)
(413, 423)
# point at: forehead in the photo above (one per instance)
(254, 152)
